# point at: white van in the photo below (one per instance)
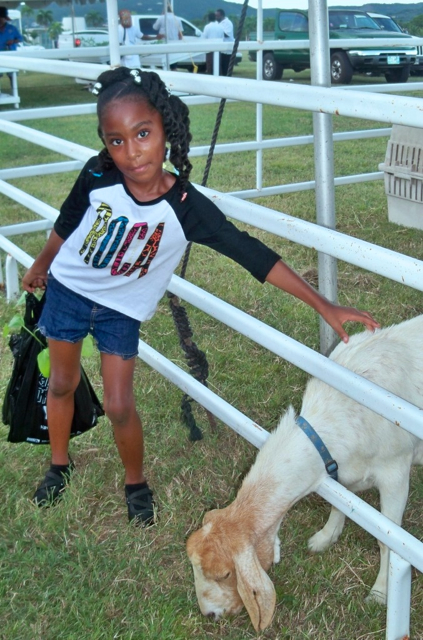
(191, 33)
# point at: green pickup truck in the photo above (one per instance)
(292, 24)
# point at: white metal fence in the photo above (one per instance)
(405, 549)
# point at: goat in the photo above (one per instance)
(236, 546)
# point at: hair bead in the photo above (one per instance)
(97, 88)
(136, 75)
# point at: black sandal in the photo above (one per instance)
(141, 506)
(52, 487)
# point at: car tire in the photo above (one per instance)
(398, 75)
(272, 70)
(341, 71)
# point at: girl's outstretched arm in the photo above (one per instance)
(36, 276)
(285, 278)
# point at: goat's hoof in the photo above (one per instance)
(319, 542)
(376, 596)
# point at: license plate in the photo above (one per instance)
(393, 59)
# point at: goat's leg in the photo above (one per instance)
(393, 499)
(330, 533)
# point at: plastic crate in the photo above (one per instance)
(403, 168)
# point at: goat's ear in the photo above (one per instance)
(255, 588)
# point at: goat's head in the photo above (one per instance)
(227, 571)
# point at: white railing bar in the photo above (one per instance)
(399, 596)
(89, 108)
(293, 187)
(25, 227)
(199, 47)
(404, 110)
(378, 525)
(64, 147)
(387, 87)
(49, 112)
(276, 143)
(392, 265)
(32, 203)
(40, 169)
(15, 252)
(379, 400)
(241, 424)
(252, 145)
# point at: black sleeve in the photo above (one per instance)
(76, 204)
(204, 223)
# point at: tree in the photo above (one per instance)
(94, 19)
(54, 31)
(415, 26)
(44, 17)
(27, 12)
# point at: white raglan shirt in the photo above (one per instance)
(122, 253)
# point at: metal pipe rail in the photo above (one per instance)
(199, 47)
(404, 110)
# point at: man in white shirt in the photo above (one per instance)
(169, 27)
(128, 34)
(228, 36)
(212, 30)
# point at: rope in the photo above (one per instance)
(196, 359)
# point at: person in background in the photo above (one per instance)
(228, 36)
(9, 36)
(129, 34)
(169, 28)
(212, 30)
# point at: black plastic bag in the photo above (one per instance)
(24, 406)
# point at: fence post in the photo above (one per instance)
(323, 160)
(399, 595)
(12, 279)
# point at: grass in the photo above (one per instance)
(79, 571)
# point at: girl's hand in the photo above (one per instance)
(336, 316)
(34, 279)
(285, 278)
(36, 276)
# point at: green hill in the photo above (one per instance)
(200, 8)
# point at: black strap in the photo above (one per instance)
(196, 358)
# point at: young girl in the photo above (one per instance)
(120, 235)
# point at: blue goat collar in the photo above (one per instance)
(330, 464)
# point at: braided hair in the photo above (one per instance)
(135, 84)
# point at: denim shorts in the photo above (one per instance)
(69, 317)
